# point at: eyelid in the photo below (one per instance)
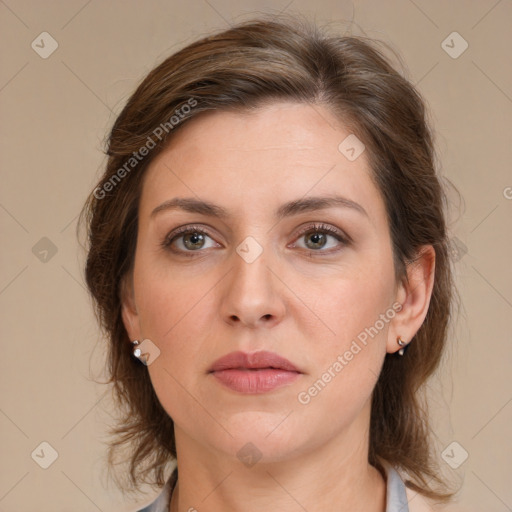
(320, 226)
(311, 227)
(183, 230)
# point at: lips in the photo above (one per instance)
(260, 372)
(254, 361)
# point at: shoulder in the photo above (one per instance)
(163, 500)
(418, 503)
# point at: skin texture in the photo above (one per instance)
(301, 299)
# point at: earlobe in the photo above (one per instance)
(415, 293)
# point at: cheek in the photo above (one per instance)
(167, 302)
(177, 320)
(176, 311)
(353, 304)
(358, 310)
(347, 363)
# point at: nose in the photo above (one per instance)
(253, 292)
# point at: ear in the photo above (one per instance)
(129, 309)
(414, 295)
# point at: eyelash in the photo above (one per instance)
(315, 228)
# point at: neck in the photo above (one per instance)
(336, 472)
(293, 496)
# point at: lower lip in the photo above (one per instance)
(255, 381)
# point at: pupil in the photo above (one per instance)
(195, 238)
(317, 238)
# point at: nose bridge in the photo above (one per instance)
(252, 292)
(250, 266)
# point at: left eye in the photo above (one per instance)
(318, 239)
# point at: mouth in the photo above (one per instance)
(263, 360)
(255, 369)
(255, 373)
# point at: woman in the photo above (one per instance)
(266, 242)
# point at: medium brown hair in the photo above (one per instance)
(253, 63)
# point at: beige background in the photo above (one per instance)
(55, 113)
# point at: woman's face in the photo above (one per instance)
(264, 275)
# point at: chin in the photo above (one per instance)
(262, 436)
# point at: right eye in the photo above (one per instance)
(186, 239)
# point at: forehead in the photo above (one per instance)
(250, 160)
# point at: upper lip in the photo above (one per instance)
(262, 359)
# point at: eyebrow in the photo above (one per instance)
(309, 204)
